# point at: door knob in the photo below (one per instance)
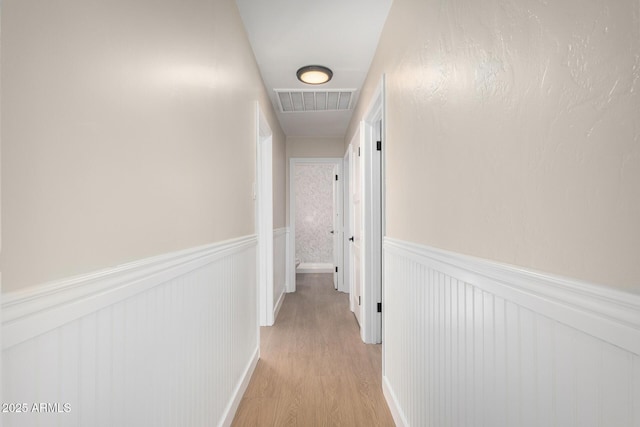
(351, 238)
(331, 232)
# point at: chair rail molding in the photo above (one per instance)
(167, 340)
(469, 341)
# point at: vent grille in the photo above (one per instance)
(300, 101)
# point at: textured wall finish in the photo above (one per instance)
(513, 132)
(314, 212)
(127, 131)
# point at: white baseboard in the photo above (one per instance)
(315, 267)
(238, 393)
(392, 402)
(276, 310)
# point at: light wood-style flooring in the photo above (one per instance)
(314, 369)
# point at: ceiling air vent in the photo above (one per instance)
(300, 101)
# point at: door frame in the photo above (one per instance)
(355, 289)
(347, 226)
(1, 293)
(373, 216)
(264, 217)
(293, 161)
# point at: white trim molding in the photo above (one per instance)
(264, 215)
(493, 344)
(392, 402)
(604, 312)
(371, 179)
(291, 262)
(171, 339)
(280, 243)
(36, 310)
(278, 232)
(241, 388)
(315, 267)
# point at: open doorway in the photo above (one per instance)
(316, 216)
(367, 226)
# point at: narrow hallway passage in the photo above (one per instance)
(314, 369)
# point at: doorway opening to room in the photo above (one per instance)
(316, 217)
(365, 206)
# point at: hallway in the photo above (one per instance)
(314, 369)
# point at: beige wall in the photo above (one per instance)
(128, 130)
(513, 132)
(315, 147)
(312, 147)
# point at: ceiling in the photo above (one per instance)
(288, 34)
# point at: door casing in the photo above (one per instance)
(373, 127)
(347, 227)
(264, 217)
(356, 216)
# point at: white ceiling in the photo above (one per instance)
(339, 34)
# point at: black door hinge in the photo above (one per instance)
(336, 177)
(379, 145)
(379, 307)
(358, 151)
(336, 269)
(359, 302)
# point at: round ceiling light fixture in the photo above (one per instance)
(314, 74)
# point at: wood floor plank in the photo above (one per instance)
(314, 369)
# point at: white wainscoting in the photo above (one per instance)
(468, 342)
(280, 240)
(167, 341)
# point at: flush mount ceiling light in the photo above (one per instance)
(314, 74)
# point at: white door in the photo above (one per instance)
(336, 228)
(345, 280)
(356, 221)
